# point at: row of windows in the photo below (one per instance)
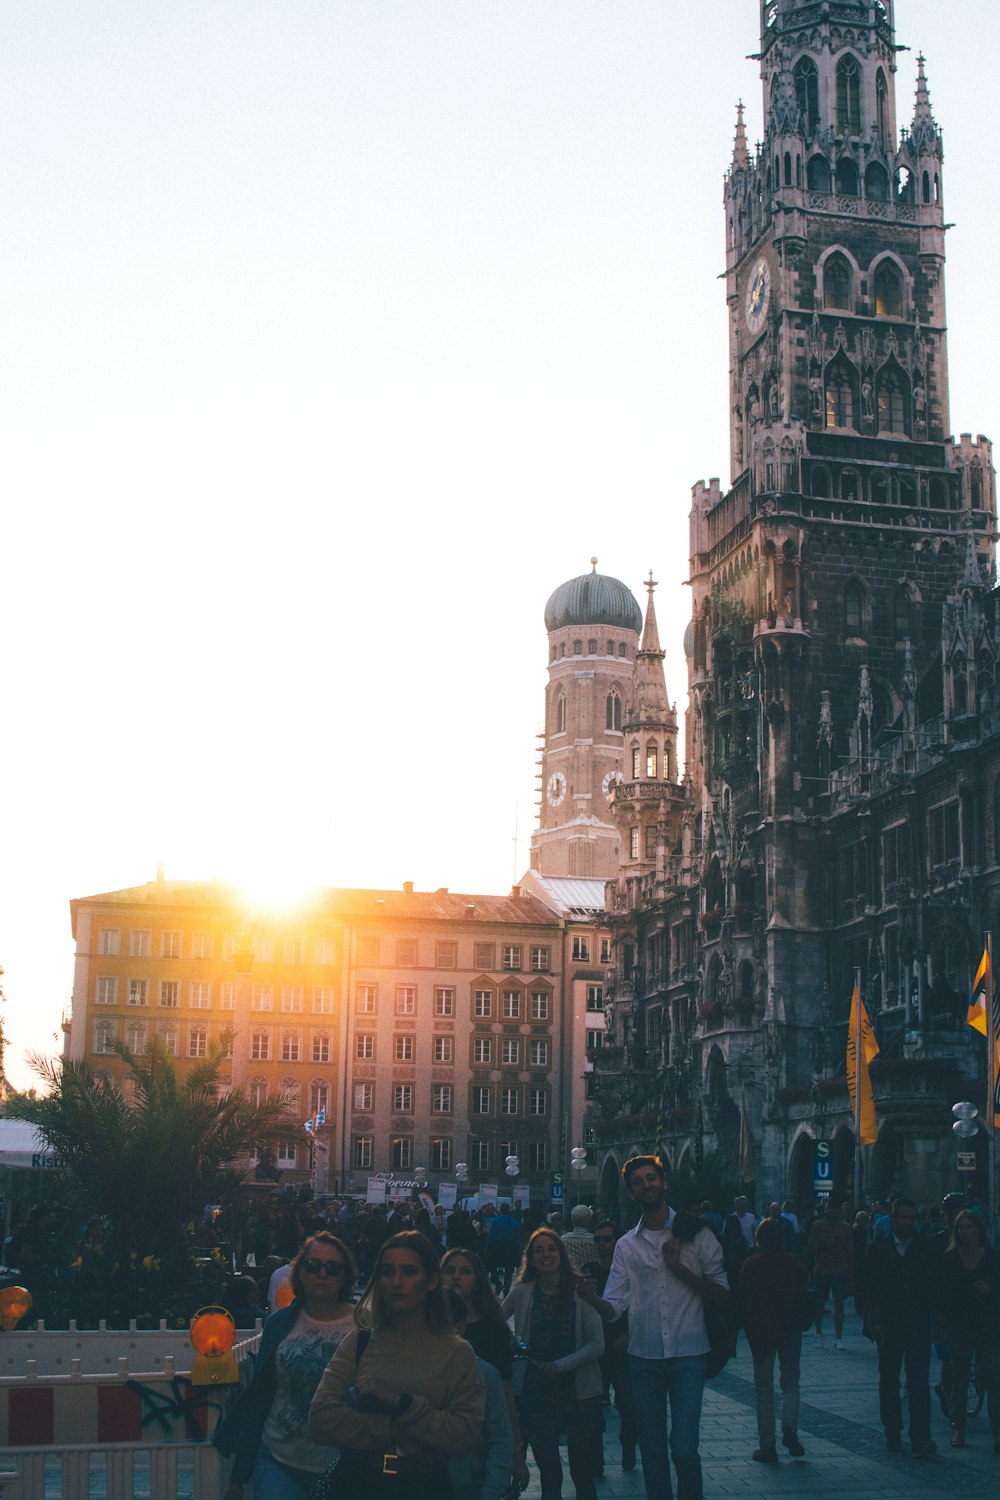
(839, 291)
(286, 1047)
(170, 944)
(513, 1004)
(482, 1154)
(943, 849)
(649, 760)
(880, 488)
(848, 98)
(508, 1051)
(593, 649)
(110, 989)
(509, 1099)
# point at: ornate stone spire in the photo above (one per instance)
(972, 578)
(741, 155)
(925, 137)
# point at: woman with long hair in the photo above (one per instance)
(970, 1300)
(486, 1330)
(562, 1386)
(267, 1428)
(402, 1394)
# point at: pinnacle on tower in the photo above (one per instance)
(924, 133)
(971, 578)
(650, 635)
(741, 155)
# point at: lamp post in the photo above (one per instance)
(578, 1164)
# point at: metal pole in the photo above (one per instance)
(857, 1091)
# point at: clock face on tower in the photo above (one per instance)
(555, 789)
(609, 783)
(757, 297)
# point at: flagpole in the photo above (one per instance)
(991, 1079)
(857, 1091)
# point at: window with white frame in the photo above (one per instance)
(106, 990)
(442, 1097)
(481, 1156)
(538, 1102)
(135, 1036)
(264, 949)
(482, 1049)
(364, 1097)
(197, 1041)
(262, 997)
(167, 1033)
(595, 997)
(402, 1097)
(540, 960)
(171, 944)
(293, 950)
(406, 999)
(510, 1052)
(595, 1038)
(322, 1000)
(482, 1004)
(481, 1099)
(444, 1001)
(291, 1046)
(512, 956)
(364, 1046)
(257, 1089)
(361, 1152)
(286, 1155)
(138, 992)
(444, 1049)
(227, 1042)
(170, 993)
(512, 1005)
(290, 1093)
(109, 942)
(202, 945)
(445, 955)
(508, 1101)
(540, 1006)
(605, 950)
(505, 1149)
(227, 995)
(229, 945)
(367, 1003)
(292, 999)
(539, 1054)
(401, 1152)
(260, 1046)
(105, 1034)
(200, 994)
(325, 952)
(538, 1156)
(581, 949)
(140, 943)
(403, 1047)
(319, 1096)
(320, 1049)
(441, 1154)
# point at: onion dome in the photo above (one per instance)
(593, 599)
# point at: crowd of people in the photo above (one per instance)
(411, 1351)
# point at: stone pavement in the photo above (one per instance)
(838, 1427)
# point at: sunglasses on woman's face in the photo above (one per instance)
(323, 1267)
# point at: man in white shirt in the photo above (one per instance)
(661, 1281)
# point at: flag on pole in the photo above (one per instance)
(312, 1124)
(859, 1081)
(979, 1004)
(748, 1164)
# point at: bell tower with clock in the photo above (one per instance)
(593, 625)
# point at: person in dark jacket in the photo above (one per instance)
(772, 1282)
(970, 1302)
(267, 1428)
(899, 1302)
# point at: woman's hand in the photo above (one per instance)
(549, 1370)
(521, 1471)
(376, 1394)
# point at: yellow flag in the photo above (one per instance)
(979, 1004)
(858, 1077)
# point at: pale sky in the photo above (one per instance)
(335, 335)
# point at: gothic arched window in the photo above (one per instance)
(613, 719)
(837, 283)
(882, 109)
(651, 762)
(888, 291)
(560, 715)
(853, 610)
(840, 394)
(848, 97)
(818, 174)
(903, 614)
(892, 400)
(847, 178)
(807, 93)
(877, 182)
(636, 762)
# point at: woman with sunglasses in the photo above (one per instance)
(267, 1429)
(562, 1384)
(402, 1394)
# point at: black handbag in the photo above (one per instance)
(355, 1476)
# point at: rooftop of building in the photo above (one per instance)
(593, 599)
(569, 896)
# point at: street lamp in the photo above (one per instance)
(578, 1163)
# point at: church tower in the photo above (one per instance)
(593, 624)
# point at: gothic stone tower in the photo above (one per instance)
(819, 579)
(593, 623)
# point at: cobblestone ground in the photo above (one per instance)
(839, 1429)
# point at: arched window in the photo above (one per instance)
(636, 762)
(877, 182)
(892, 402)
(560, 715)
(888, 291)
(818, 174)
(882, 109)
(837, 283)
(807, 93)
(651, 762)
(903, 614)
(622, 649)
(591, 648)
(848, 97)
(577, 648)
(926, 186)
(904, 185)
(613, 719)
(840, 394)
(847, 178)
(853, 613)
